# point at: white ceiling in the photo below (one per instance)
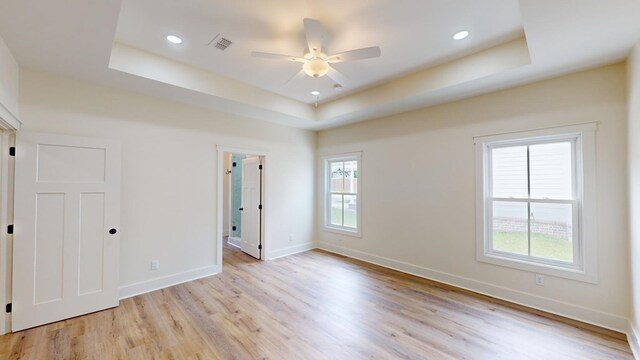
(412, 34)
(420, 64)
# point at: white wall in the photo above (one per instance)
(9, 78)
(169, 170)
(418, 191)
(633, 66)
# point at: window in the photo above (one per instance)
(342, 174)
(535, 190)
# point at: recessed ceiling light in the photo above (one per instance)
(460, 35)
(315, 93)
(174, 39)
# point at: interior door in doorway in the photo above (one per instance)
(66, 239)
(251, 204)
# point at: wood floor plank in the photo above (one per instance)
(314, 305)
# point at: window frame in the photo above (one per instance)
(584, 266)
(328, 226)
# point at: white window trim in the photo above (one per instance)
(586, 267)
(327, 226)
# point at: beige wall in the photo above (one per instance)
(418, 190)
(633, 66)
(169, 169)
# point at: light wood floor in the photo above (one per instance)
(313, 306)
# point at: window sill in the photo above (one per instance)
(538, 268)
(341, 231)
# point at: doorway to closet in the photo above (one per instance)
(242, 202)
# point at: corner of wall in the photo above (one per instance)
(272, 255)
(142, 287)
(632, 338)
(633, 158)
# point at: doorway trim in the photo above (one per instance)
(7, 139)
(220, 199)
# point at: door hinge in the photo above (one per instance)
(235, 164)
(7, 308)
(233, 228)
(259, 167)
(260, 247)
(260, 207)
(10, 229)
(12, 151)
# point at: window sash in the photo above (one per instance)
(330, 179)
(329, 222)
(534, 200)
(329, 194)
(573, 139)
(575, 224)
(575, 201)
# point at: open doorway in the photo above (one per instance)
(241, 194)
(233, 198)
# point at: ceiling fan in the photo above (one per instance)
(315, 62)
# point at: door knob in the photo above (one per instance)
(113, 231)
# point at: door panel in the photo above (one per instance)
(250, 238)
(49, 245)
(92, 243)
(67, 197)
(70, 164)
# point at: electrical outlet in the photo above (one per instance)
(539, 280)
(290, 237)
(155, 264)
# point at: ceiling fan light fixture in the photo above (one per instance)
(316, 68)
(315, 62)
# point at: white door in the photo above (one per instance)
(250, 218)
(67, 213)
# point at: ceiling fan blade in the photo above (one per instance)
(264, 55)
(315, 35)
(352, 55)
(337, 76)
(298, 75)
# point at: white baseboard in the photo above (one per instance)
(291, 250)
(632, 338)
(234, 241)
(572, 311)
(146, 286)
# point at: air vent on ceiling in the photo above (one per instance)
(220, 42)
